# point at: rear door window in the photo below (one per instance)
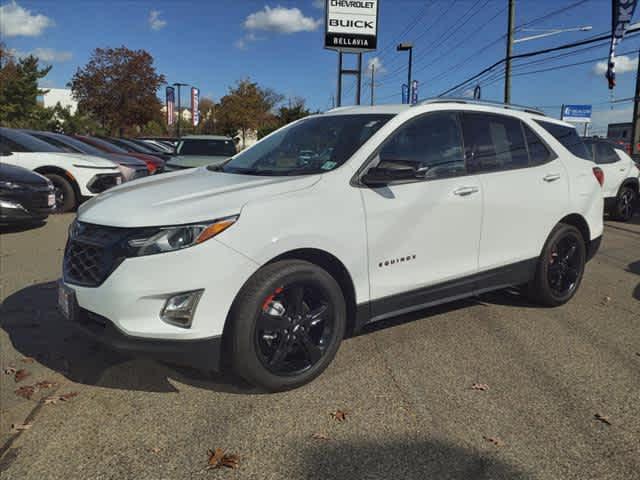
(605, 153)
(494, 143)
(568, 137)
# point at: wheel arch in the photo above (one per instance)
(64, 173)
(631, 182)
(578, 221)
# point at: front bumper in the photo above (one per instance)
(203, 353)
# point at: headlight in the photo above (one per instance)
(150, 241)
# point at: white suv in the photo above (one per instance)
(621, 178)
(330, 223)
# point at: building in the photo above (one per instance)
(62, 96)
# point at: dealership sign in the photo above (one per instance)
(576, 113)
(351, 25)
(195, 102)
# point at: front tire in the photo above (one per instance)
(66, 200)
(625, 204)
(286, 324)
(560, 267)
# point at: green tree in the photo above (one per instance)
(118, 87)
(295, 110)
(246, 107)
(19, 91)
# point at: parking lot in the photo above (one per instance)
(556, 396)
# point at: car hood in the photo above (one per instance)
(77, 159)
(21, 175)
(190, 196)
(190, 161)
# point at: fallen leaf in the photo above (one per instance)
(154, 450)
(68, 396)
(320, 436)
(339, 415)
(28, 359)
(218, 458)
(45, 384)
(21, 375)
(18, 427)
(51, 400)
(480, 386)
(26, 391)
(495, 440)
(603, 418)
(606, 300)
(10, 370)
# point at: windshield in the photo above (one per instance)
(71, 142)
(208, 147)
(103, 145)
(23, 142)
(313, 145)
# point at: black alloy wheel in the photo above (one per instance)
(564, 266)
(626, 204)
(285, 325)
(294, 328)
(64, 193)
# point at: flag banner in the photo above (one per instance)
(405, 93)
(195, 101)
(622, 13)
(171, 100)
(414, 92)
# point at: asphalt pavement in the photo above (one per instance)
(488, 388)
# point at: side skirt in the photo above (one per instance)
(476, 284)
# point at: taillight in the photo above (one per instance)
(151, 167)
(599, 174)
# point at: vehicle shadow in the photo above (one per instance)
(21, 227)
(410, 459)
(635, 268)
(36, 329)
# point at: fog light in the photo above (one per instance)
(179, 309)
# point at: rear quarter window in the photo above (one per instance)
(568, 137)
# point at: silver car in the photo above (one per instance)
(199, 150)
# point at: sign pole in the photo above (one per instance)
(373, 76)
(359, 79)
(339, 102)
(635, 129)
(562, 112)
(507, 71)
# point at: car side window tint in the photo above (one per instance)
(538, 151)
(568, 137)
(605, 154)
(11, 146)
(494, 143)
(432, 143)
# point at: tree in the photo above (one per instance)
(246, 107)
(295, 110)
(118, 86)
(19, 91)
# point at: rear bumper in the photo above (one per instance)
(203, 354)
(593, 247)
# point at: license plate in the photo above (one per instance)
(51, 200)
(118, 180)
(66, 301)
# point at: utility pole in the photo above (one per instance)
(507, 78)
(404, 47)
(635, 128)
(373, 77)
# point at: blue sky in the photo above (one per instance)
(211, 44)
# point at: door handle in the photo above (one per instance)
(464, 191)
(552, 177)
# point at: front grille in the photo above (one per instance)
(93, 252)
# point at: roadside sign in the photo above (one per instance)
(576, 113)
(195, 101)
(351, 25)
(414, 92)
(170, 96)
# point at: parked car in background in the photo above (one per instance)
(199, 150)
(133, 147)
(278, 253)
(158, 147)
(74, 177)
(154, 164)
(25, 196)
(130, 167)
(621, 187)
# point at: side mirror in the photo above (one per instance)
(381, 176)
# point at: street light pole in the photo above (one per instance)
(507, 78)
(404, 47)
(177, 84)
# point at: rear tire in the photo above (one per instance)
(66, 200)
(560, 267)
(625, 204)
(278, 342)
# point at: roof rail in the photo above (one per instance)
(489, 103)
